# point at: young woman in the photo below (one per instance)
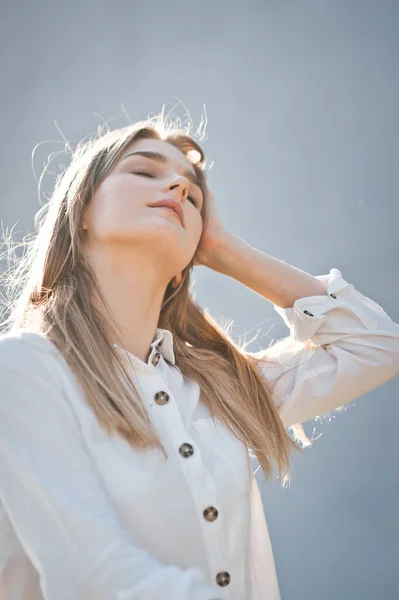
(127, 415)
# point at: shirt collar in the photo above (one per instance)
(163, 343)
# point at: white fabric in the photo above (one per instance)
(87, 517)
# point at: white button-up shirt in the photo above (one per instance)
(84, 516)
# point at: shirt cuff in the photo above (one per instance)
(306, 316)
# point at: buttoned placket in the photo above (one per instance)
(198, 478)
(193, 468)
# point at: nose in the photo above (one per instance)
(180, 187)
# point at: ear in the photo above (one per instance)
(85, 218)
(176, 281)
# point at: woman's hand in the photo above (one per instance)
(212, 237)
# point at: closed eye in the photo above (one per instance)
(142, 172)
(147, 174)
(194, 201)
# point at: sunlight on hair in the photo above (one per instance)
(194, 156)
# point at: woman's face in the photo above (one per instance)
(120, 213)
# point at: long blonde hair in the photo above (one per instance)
(52, 287)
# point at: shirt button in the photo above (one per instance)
(333, 296)
(308, 313)
(155, 359)
(186, 450)
(223, 578)
(161, 398)
(211, 513)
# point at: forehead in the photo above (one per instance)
(173, 154)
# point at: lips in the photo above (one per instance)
(169, 209)
(172, 205)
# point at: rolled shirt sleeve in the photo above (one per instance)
(56, 502)
(341, 346)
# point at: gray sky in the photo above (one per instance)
(302, 104)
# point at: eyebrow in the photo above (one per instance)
(161, 158)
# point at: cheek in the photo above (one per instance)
(196, 231)
(114, 204)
